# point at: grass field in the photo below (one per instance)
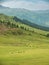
(24, 50)
(10, 55)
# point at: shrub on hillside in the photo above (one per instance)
(20, 32)
(47, 35)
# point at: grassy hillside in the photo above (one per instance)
(16, 33)
(21, 44)
(8, 22)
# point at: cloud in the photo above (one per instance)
(27, 4)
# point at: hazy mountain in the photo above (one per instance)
(37, 17)
(26, 22)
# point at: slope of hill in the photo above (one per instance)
(9, 26)
(14, 22)
(15, 33)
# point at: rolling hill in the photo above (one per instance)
(10, 22)
(13, 26)
(21, 44)
(19, 22)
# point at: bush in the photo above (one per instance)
(8, 23)
(47, 35)
(14, 33)
(13, 25)
(22, 27)
(20, 32)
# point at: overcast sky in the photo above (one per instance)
(26, 4)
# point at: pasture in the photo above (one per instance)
(24, 50)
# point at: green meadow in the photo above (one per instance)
(24, 50)
(10, 55)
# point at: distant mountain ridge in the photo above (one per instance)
(37, 17)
